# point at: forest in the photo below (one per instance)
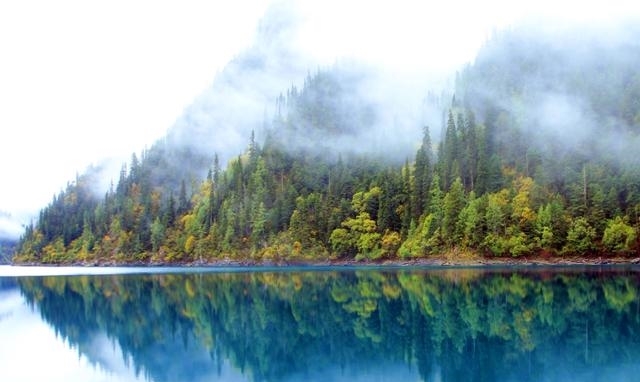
(536, 156)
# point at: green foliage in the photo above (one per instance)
(342, 241)
(453, 204)
(619, 236)
(421, 240)
(471, 221)
(497, 212)
(308, 220)
(580, 238)
(390, 243)
(362, 236)
(517, 244)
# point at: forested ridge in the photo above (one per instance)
(537, 154)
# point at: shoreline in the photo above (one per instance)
(432, 261)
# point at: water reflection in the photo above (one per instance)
(30, 351)
(451, 325)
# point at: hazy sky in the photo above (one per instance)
(84, 80)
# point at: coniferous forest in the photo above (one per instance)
(536, 154)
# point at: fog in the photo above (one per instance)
(405, 78)
(9, 227)
(409, 51)
(243, 95)
(564, 85)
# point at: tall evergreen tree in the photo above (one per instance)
(423, 171)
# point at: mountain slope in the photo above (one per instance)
(534, 157)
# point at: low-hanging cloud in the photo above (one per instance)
(242, 98)
(10, 227)
(562, 86)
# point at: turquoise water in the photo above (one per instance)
(346, 324)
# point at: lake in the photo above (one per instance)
(320, 324)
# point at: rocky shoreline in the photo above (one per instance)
(432, 261)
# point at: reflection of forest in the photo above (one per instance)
(460, 324)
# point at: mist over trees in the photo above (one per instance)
(6, 251)
(534, 154)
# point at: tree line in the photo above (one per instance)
(489, 186)
(269, 205)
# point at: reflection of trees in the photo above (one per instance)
(466, 326)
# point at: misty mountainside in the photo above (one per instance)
(155, 189)
(562, 90)
(239, 100)
(535, 156)
(7, 248)
(333, 116)
(251, 91)
(220, 120)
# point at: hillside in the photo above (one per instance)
(7, 248)
(535, 156)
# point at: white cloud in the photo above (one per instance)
(81, 81)
(10, 228)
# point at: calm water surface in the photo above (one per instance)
(561, 324)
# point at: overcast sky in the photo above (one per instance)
(85, 80)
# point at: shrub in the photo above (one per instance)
(619, 236)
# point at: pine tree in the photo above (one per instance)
(406, 196)
(471, 151)
(169, 215)
(450, 164)
(422, 176)
(183, 202)
(157, 234)
(453, 203)
(435, 211)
